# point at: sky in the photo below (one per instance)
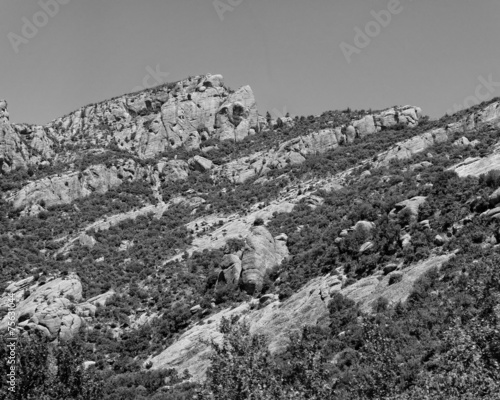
(299, 56)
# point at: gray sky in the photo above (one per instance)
(432, 53)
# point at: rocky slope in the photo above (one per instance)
(278, 320)
(267, 220)
(295, 151)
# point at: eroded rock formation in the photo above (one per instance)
(49, 308)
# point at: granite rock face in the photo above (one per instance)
(22, 145)
(295, 151)
(476, 166)
(144, 124)
(200, 164)
(487, 117)
(47, 308)
(169, 116)
(261, 253)
(68, 187)
(13, 151)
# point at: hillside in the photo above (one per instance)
(179, 244)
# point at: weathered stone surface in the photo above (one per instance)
(478, 166)
(190, 351)
(65, 188)
(367, 290)
(261, 253)
(420, 165)
(231, 269)
(365, 126)
(462, 142)
(486, 117)
(13, 151)
(411, 205)
(200, 164)
(366, 247)
(408, 148)
(47, 308)
(145, 123)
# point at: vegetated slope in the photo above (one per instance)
(347, 202)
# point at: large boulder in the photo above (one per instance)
(262, 252)
(200, 164)
(365, 126)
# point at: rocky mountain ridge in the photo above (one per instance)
(144, 124)
(179, 206)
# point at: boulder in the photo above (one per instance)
(200, 164)
(389, 268)
(439, 240)
(86, 240)
(494, 198)
(365, 126)
(462, 142)
(195, 309)
(411, 205)
(366, 247)
(493, 213)
(262, 252)
(366, 226)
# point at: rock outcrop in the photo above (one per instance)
(309, 306)
(262, 252)
(47, 308)
(295, 151)
(100, 178)
(487, 117)
(476, 166)
(13, 151)
(200, 164)
(145, 124)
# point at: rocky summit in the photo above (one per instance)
(174, 243)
